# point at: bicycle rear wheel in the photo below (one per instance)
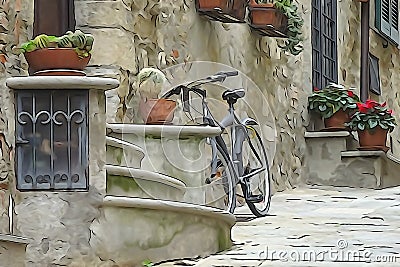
(221, 192)
(259, 183)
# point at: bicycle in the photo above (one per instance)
(228, 169)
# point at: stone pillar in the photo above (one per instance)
(59, 223)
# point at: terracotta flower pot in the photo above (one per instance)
(338, 120)
(373, 138)
(157, 111)
(266, 15)
(55, 58)
(223, 10)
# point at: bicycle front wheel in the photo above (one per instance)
(256, 167)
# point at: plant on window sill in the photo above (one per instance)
(333, 103)
(82, 43)
(372, 121)
(50, 53)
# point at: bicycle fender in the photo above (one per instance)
(249, 121)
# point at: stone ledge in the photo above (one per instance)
(153, 204)
(14, 239)
(356, 153)
(326, 134)
(146, 175)
(61, 82)
(178, 131)
(115, 142)
(392, 158)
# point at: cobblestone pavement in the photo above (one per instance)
(316, 226)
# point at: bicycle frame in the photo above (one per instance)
(238, 135)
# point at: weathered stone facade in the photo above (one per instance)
(164, 33)
(349, 49)
(130, 35)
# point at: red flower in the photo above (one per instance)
(371, 103)
(363, 108)
(390, 111)
(315, 89)
(384, 104)
(350, 93)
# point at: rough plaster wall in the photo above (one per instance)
(14, 27)
(59, 223)
(130, 35)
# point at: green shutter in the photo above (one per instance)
(394, 20)
(387, 18)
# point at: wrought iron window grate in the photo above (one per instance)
(52, 139)
(324, 42)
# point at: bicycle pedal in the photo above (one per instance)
(255, 198)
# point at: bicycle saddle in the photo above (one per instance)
(231, 96)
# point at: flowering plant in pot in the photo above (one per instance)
(372, 121)
(333, 103)
(70, 51)
(152, 109)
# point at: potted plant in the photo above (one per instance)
(223, 10)
(70, 51)
(372, 121)
(152, 109)
(279, 18)
(334, 103)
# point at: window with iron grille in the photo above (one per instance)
(52, 139)
(387, 18)
(324, 42)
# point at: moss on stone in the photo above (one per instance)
(125, 183)
(224, 240)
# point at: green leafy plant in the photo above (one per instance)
(147, 263)
(372, 114)
(81, 42)
(332, 99)
(295, 23)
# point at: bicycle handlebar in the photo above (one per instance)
(192, 86)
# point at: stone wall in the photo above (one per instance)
(15, 25)
(58, 224)
(138, 34)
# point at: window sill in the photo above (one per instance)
(385, 37)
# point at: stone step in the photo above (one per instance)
(332, 160)
(370, 169)
(12, 250)
(133, 182)
(323, 154)
(158, 230)
(122, 153)
(174, 150)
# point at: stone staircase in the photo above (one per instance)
(333, 159)
(12, 250)
(150, 214)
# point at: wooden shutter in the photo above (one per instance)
(53, 17)
(387, 18)
(374, 79)
(394, 20)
